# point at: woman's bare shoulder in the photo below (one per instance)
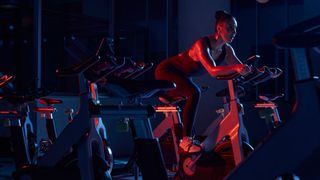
(228, 47)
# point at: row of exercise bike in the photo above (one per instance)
(82, 149)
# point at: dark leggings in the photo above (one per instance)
(185, 87)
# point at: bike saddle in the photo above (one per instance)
(165, 99)
(270, 98)
(49, 101)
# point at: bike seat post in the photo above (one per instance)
(94, 93)
(50, 124)
(100, 127)
(235, 132)
(47, 114)
(276, 117)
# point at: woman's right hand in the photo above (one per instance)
(242, 69)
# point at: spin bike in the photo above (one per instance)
(227, 136)
(16, 118)
(186, 164)
(122, 85)
(47, 110)
(78, 151)
(172, 123)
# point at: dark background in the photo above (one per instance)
(149, 31)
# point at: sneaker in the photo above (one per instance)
(190, 145)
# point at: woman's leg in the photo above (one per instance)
(190, 109)
(185, 87)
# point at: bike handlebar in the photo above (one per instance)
(5, 79)
(78, 68)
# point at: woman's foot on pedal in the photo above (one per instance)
(190, 145)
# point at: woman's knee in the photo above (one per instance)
(160, 73)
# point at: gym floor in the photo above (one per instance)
(7, 168)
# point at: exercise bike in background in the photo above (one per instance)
(294, 146)
(14, 115)
(79, 151)
(121, 99)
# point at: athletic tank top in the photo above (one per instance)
(184, 64)
(222, 55)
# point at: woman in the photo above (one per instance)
(204, 56)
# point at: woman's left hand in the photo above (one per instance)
(245, 70)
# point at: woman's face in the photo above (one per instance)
(227, 30)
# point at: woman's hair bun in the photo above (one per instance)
(221, 14)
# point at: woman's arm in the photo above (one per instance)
(231, 57)
(200, 51)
